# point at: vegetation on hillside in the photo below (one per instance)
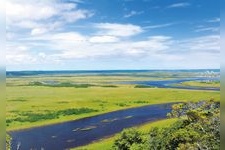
(196, 129)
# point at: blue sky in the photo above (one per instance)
(112, 34)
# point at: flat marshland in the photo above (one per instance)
(35, 100)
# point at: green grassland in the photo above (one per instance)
(202, 83)
(107, 143)
(34, 105)
(87, 79)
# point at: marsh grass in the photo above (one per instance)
(41, 98)
(109, 86)
(18, 100)
(143, 86)
(140, 102)
(34, 117)
(62, 102)
(201, 83)
(44, 103)
(63, 84)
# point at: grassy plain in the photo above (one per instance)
(29, 106)
(202, 83)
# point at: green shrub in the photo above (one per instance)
(197, 128)
(143, 86)
(127, 139)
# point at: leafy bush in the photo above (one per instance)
(121, 104)
(127, 139)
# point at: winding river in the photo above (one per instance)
(174, 83)
(84, 131)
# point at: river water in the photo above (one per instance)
(173, 83)
(84, 131)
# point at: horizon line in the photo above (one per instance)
(112, 69)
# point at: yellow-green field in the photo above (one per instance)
(107, 143)
(26, 105)
(94, 79)
(202, 84)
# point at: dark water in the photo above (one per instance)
(171, 83)
(84, 131)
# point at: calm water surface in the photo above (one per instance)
(84, 131)
(172, 83)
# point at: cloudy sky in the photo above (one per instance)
(112, 34)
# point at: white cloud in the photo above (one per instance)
(10, 35)
(76, 1)
(158, 26)
(18, 54)
(103, 39)
(178, 5)
(29, 11)
(75, 46)
(37, 31)
(160, 38)
(212, 29)
(76, 15)
(28, 24)
(120, 30)
(149, 47)
(24, 54)
(204, 44)
(67, 37)
(44, 32)
(132, 13)
(109, 46)
(48, 15)
(42, 55)
(43, 10)
(214, 20)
